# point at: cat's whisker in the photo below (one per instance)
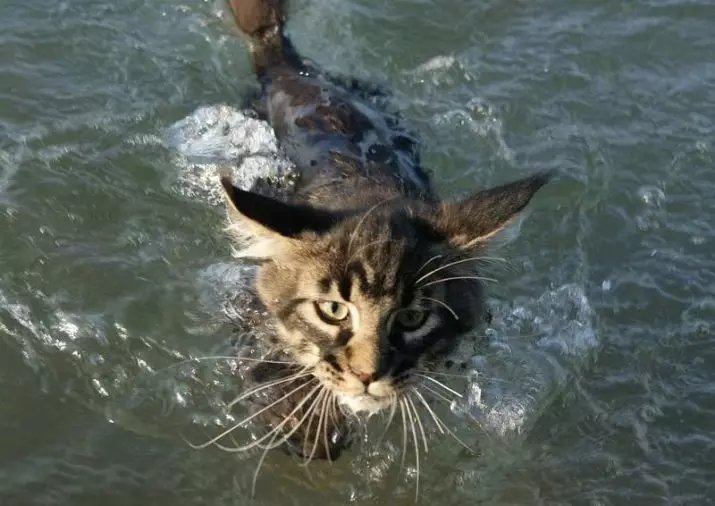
(275, 431)
(321, 403)
(260, 464)
(447, 374)
(436, 419)
(334, 410)
(428, 262)
(440, 424)
(404, 435)
(263, 361)
(469, 377)
(439, 383)
(444, 305)
(246, 420)
(393, 408)
(330, 400)
(362, 220)
(419, 421)
(475, 278)
(449, 401)
(288, 435)
(438, 394)
(456, 262)
(361, 248)
(324, 423)
(312, 395)
(264, 386)
(272, 444)
(313, 412)
(466, 412)
(217, 357)
(417, 447)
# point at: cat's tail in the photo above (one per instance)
(261, 22)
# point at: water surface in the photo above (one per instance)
(114, 266)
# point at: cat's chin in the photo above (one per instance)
(364, 403)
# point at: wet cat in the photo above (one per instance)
(366, 276)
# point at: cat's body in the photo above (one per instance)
(367, 277)
(335, 131)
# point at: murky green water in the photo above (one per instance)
(114, 266)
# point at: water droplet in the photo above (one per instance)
(475, 397)
(99, 388)
(651, 195)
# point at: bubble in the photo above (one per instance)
(651, 196)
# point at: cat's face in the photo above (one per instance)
(366, 299)
(365, 306)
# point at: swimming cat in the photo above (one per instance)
(368, 277)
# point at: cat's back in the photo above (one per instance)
(340, 134)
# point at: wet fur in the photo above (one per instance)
(359, 227)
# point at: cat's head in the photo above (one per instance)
(366, 297)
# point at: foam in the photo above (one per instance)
(221, 137)
(535, 346)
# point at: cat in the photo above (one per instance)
(366, 276)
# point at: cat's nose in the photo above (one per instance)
(365, 377)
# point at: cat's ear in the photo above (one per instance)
(475, 219)
(259, 218)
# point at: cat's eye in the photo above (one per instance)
(411, 319)
(331, 311)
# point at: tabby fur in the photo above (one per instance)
(366, 275)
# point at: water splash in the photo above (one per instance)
(535, 345)
(652, 214)
(437, 64)
(221, 137)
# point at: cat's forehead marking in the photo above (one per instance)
(368, 273)
(325, 285)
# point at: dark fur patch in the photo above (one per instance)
(324, 284)
(345, 287)
(344, 336)
(333, 361)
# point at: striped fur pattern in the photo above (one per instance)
(366, 274)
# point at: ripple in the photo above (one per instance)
(109, 280)
(480, 119)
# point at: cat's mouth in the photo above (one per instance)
(377, 396)
(356, 396)
(365, 402)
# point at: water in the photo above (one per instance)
(597, 388)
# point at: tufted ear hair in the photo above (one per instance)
(265, 220)
(475, 219)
